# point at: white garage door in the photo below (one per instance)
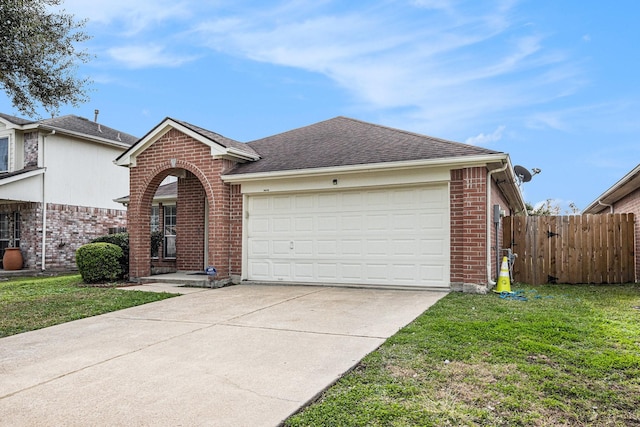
(387, 236)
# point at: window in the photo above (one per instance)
(5, 233)
(155, 219)
(16, 229)
(170, 231)
(156, 234)
(4, 154)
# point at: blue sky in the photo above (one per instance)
(552, 83)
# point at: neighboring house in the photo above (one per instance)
(337, 202)
(57, 175)
(622, 197)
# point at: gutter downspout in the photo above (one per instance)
(44, 204)
(489, 174)
(604, 204)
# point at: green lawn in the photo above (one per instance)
(568, 356)
(32, 303)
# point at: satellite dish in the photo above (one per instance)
(522, 173)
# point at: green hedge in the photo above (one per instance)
(99, 262)
(121, 240)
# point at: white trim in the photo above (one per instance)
(22, 176)
(457, 162)
(85, 136)
(128, 158)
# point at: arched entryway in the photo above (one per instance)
(188, 218)
(208, 214)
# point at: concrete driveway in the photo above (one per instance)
(239, 356)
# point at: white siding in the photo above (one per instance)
(82, 173)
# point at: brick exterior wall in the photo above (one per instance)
(468, 190)
(172, 154)
(631, 204)
(30, 149)
(68, 228)
(235, 232)
(190, 222)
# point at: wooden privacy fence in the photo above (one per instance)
(572, 249)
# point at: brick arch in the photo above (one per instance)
(139, 218)
(164, 169)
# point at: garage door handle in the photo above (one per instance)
(290, 245)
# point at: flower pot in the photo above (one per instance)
(12, 259)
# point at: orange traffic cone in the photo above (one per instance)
(504, 284)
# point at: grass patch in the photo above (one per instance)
(569, 356)
(33, 303)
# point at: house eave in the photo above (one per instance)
(468, 161)
(22, 176)
(92, 138)
(128, 158)
(627, 184)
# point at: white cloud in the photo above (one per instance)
(133, 16)
(143, 56)
(483, 139)
(445, 68)
(446, 5)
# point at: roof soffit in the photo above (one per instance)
(129, 157)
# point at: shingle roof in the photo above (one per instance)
(342, 141)
(77, 124)
(217, 138)
(5, 175)
(87, 127)
(15, 120)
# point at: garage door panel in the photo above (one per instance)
(352, 223)
(259, 248)
(432, 274)
(304, 271)
(404, 221)
(303, 248)
(404, 272)
(405, 248)
(282, 203)
(302, 202)
(373, 236)
(326, 248)
(432, 247)
(433, 221)
(281, 225)
(376, 247)
(327, 271)
(259, 225)
(260, 270)
(378, 222)
(327, 223)
(351, 272)
(352, 248)
(280, 247)
(328, 201)
(377, 272)
(303, 224)
(282, 270)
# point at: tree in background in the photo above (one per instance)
(38, 55)
(551, 208)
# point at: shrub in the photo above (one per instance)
(121, 240)
(99, 262)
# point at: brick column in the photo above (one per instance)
(469, 229)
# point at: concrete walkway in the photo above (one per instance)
(238, 356)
